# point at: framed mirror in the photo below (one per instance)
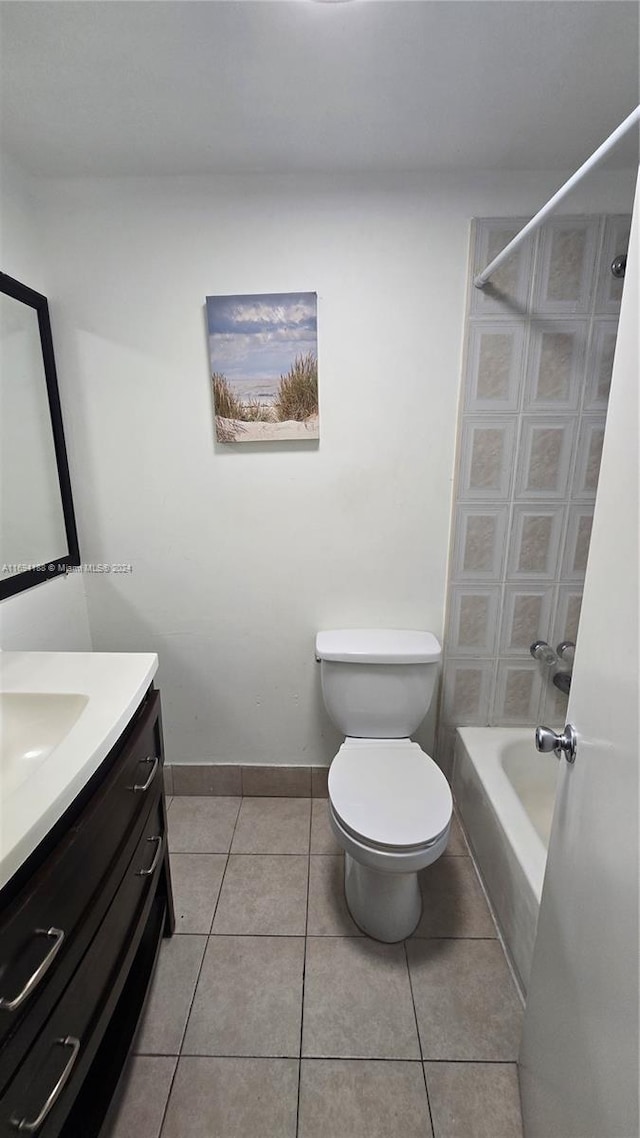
(38, 537)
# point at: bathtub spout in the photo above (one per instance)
(562, 681)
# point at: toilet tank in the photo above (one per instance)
(377, 683)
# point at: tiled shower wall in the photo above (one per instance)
(537, 366)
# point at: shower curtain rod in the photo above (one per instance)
(482, 278)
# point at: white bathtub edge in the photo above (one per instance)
(519, 832)
(509, 885)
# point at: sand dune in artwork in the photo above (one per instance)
(239, 431)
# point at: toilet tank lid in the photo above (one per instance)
(377, 646)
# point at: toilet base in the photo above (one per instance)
(386, 906)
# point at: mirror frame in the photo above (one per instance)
(56, 565)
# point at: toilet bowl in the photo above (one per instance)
(390, 810)
(390, 805)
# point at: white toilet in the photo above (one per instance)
(390, 806)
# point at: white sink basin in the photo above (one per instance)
(60, 715)
(32, 724)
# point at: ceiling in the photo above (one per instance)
(149, 87)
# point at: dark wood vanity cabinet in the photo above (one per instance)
(80, 927)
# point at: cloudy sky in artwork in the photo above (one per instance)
(253, 340)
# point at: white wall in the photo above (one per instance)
(240, 554)
(52, 615)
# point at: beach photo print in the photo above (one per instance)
(264, 366)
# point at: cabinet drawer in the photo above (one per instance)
(46, 929)
(45, 1086)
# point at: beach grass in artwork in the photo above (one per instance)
(264, 366)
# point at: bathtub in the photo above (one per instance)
(505, 792)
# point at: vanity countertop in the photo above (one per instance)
(108, 687)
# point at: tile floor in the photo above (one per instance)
(271, 1016)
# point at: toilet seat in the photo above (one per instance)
(389, 795)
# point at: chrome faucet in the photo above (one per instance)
(543, 653)
(565, 650)
(561, 659)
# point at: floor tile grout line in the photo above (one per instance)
(200, 932)
(477, 1062)
(334, 935)
(166, 1105)
(327, 1058)
(215, 907)
(322, 1058)
(415, 1016)
(270, 853)
(493, 939)
(195, 987)
(304, 967)
(235, 1055)
(267, 797)
(248, 936)
(229, 853)
(226, 866)
(177, 1062)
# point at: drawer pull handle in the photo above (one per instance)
(36, 977)
(156, 857)
(23, 1124)
(145, 785)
